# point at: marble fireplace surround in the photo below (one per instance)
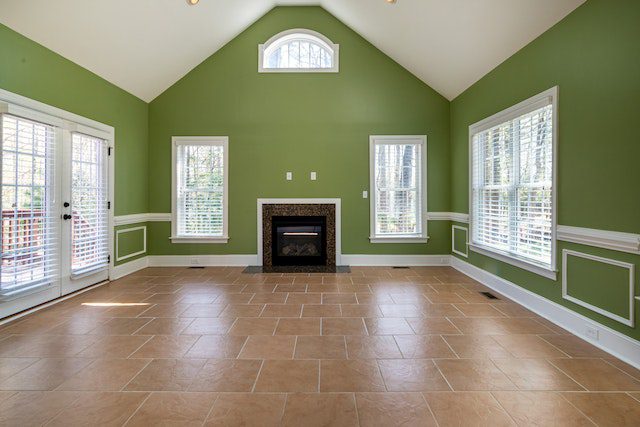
(284, 211)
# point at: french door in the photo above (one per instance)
(55, 222)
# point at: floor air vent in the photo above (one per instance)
(489, 295)
(197, 267)
(400, 267)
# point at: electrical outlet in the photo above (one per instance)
(314, 176)
(365, 194)
(592, 332)
(289, 176)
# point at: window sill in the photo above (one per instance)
(533, 268)
(178, 239)
(397, 239)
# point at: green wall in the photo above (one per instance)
(593, 56)
(31, 70)
(298, 122)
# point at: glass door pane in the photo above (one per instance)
(89, 198)
(30, 232)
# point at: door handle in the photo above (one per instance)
(66, 217)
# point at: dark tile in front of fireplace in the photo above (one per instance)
(254, 269)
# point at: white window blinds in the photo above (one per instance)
(398, 187)
(200, 195)
(512, 184)
(89, 190)
(29, 221)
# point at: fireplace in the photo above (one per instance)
(299, 240)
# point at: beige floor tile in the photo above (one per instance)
(467, 408)
(164, 326)
(282, 310)
(105, 375)
(78, 326)
(266, 298)
(13, 365)
(235, 299)
(209, 326)
(320, 410)
(205, 310)
(263, 410)
(216, 347)
(303, 326)
(576, 347)
(541, 408)
(253, 326)
(535, 374)
(339, 298)
(173, 408)
(165, 310)
(423, 347)
(597, 375)
(45, 345)
(388, 326)
(432, 325)
(166, 375)
(479, 310)
(476, 346)
(607, 409)
(114, 346)
(261, 347)
(103, 409)
(499, 326)
(45, 374)
(323, 347)
(343, 326)
(227, 375)
(528, 346)
(393, 409)
(242, 310)
(308, 298)
(474, 375)
(375, 347)
(30, 408)
(635, 373)
(412, 375)
(288, 376)
(321, 310)
(400, 310)
(360, 310)
(165, 346)
(350, 375)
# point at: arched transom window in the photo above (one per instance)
(298, 50)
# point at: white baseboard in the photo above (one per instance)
(202, 260)
(399, 260)
(611, 341)
(128, 268)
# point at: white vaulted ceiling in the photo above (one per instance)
(144, 46)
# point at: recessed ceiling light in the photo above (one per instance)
(192, 2)
(391, 1)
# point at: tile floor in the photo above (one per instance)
(374, 347)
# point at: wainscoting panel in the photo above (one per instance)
(603, 285)
(460, 240)
(131, 242)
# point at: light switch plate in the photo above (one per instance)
(314, 176)
(365, 194)
(289, 176)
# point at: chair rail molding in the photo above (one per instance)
(142, 217)
(614, 240)
(448, 216)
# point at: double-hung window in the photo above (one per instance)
(398, 186)
(200, 190)
(512, 160)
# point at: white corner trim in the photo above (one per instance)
(629, 321)
(453, 240)
(363, 260)
(302, 201)
(240, 260)
(615, 240)
(128, 230)
(128, 268)
(542, 271)
(141, 217)
(611, 341)
(448, 216)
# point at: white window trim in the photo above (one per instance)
(199, 140)
(397, 139)
(333, 46)
(530, 104)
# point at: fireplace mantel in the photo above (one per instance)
(303, 201)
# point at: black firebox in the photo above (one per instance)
(299, 240)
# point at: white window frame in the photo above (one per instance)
(199, 140)
(524, 107)
(421, 237)
(327, 44)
